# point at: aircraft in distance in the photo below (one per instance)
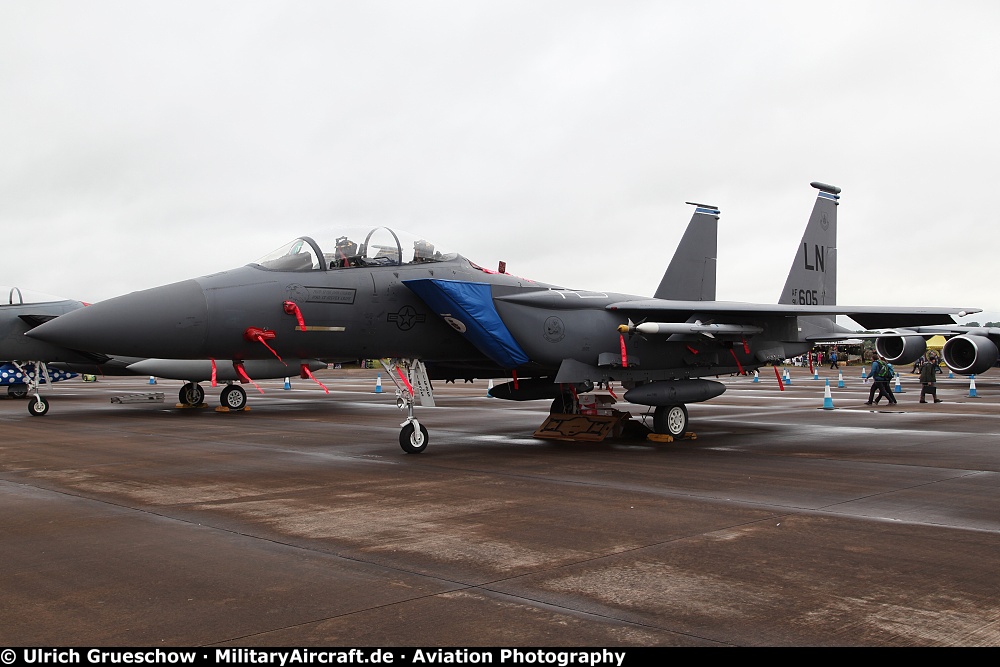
(967, 350)
(16, 376)
(34, 362)
(448, 318)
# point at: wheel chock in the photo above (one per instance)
(223, 408)
(663, 437)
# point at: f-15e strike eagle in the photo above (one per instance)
(380, 296)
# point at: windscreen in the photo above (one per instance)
(297, 255)
(14, 296)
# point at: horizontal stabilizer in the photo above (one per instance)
(468, 308)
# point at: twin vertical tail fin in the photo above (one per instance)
(812, 280)
(691, 274)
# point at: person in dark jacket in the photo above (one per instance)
(881, 373)
(928, 376)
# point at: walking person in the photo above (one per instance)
(881, 373)
(928, 377)
(833, 360)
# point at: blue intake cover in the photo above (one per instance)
(468, 308)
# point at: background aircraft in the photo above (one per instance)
(373, 300)
(967, 350)
(16, 376)
(34, 362)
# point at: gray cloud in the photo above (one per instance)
(147, 142)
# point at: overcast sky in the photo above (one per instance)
(146, 142)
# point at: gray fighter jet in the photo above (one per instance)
(381, 295)
(34, 358)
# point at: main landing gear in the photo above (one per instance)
(191, 395)
(592, 417)
(233, 396)
(670, 420)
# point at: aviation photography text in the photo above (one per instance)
(590, 657)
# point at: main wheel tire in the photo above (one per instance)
(38, 407)
(234, 397)
(191, 394)
(17, 390)
(671, 420)
(411, 441)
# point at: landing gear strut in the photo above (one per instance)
(565, 404)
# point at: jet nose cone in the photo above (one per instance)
(168, 321)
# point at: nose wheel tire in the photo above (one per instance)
(234, 397)
(191, 394)
(413, 441)
(671, 420)
(38, 407)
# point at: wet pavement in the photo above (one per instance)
(302, 523)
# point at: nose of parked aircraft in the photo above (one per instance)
(169, 321)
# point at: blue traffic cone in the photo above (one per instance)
(864, 375)
(152, 380)
(815, 372)
(972, 386)
(788, 377)
(951, 374)
(489, 389)
(898, 388)
(378, 384)
(827, 397)
(840, 380)
(756, 377)
(288, 383)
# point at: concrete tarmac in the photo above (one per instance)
(302, 523)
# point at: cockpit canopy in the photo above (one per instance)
(380, 246)
(15, 296)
